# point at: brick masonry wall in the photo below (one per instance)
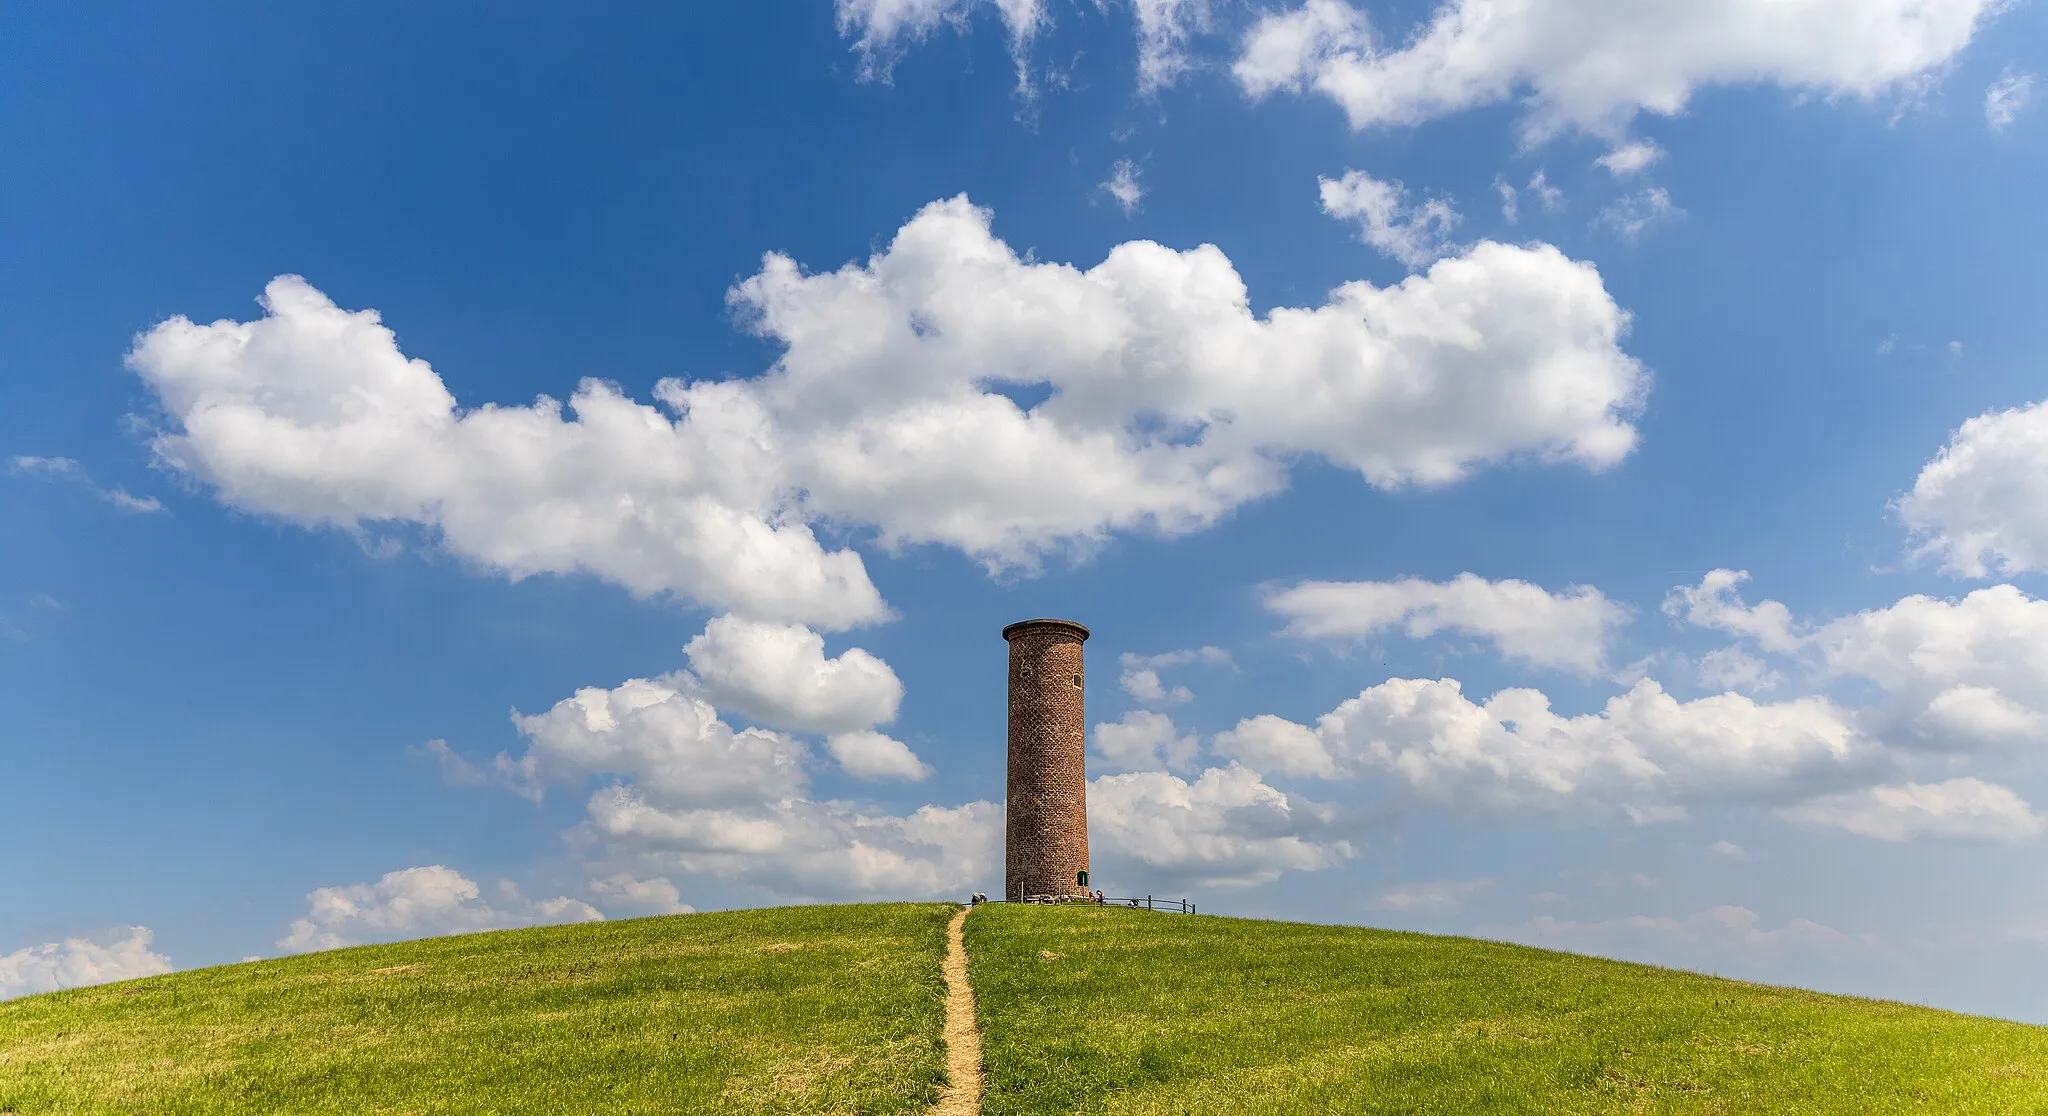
(1045, 833)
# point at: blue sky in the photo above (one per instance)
(732, 620)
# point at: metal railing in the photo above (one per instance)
(1134, 902)
(1178, 906)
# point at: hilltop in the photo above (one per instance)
(840, 1010)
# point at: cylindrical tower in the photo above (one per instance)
(1045, 832)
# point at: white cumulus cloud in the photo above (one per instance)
(77, 962)
(1715, 604)
(1568, 630)
(1144, 684)
(778, 675)
(662, 739)
(313, 414)
(1596, 64)
(1953, 675)
(1645, 753)
(416, 903)
(1142, 740)
(1963, 809)
(666, 734)
(1956, 675)
(801, 848)
(1171, 403)
(678, 794)
(867, 754)
(680, 791)
(1270, 743)
(622, 891)
(1226, 828)
(1981, 506)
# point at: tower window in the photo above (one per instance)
(1077, 681)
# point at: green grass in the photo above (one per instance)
(1113, 1011)
(1088, 1010)
(796, 1010)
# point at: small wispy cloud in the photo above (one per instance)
(1416, 235)
(1628, 216)
(1437, 897)
(1549, 198)
(129, 502)
(1141, 673)
(1123, 186)
(1731, 668)
(69, 470)
(44, 467)
(1630, 158)
(2006, 97)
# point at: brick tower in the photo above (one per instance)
(1046, 826)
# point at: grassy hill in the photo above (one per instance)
(1112, 1011)
(793, 1010)
(839, 1009)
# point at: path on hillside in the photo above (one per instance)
(961, 1095)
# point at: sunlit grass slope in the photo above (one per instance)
(795, 1010)
(1115, 1011)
